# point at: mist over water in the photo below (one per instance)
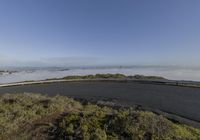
(28, 74)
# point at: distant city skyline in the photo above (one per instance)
(99, 32)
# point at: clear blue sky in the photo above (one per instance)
(99, 32)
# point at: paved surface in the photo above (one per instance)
(182, 101)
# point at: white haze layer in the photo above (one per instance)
(42, 74)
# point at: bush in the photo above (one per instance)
(33, 116)
(17, 110)
(123, 124)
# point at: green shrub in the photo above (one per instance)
(20, 109)
(124, 124)
(33, 116)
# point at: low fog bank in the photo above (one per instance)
(48, 73)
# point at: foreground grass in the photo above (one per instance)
(33, 116)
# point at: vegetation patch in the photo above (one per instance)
(97, 76)
(19, 110)
(33, 116)
(94, 122)
(115, 76)
(143, 77)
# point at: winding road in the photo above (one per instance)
(180, 101)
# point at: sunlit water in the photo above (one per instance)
(42, 74)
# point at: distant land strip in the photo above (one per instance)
(110, 77)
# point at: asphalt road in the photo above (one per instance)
(181, 101)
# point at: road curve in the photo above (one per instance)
(181, 101)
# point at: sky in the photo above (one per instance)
(99, 32)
